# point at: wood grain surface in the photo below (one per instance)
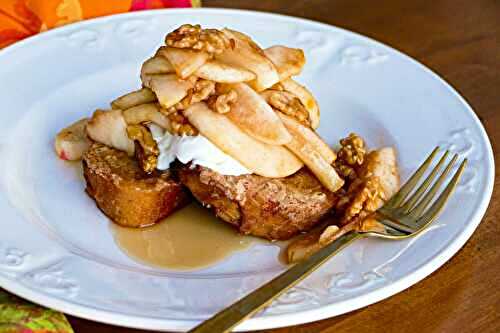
(459, 39)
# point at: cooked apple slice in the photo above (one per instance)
(382, 163)
(296, 128)
(155, 65)
(288, 61)
(325, 173)
(109, 127)
(72, 141)
(146, 113)
(253, 115)
(184, 61)
(248, 55)
(134, 98)
(169, 89)
(217, 71)
(305, 97)
(305, 245)
(243, 37)
(260, 158)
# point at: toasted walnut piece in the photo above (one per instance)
(363, 197)
(350, 156)
(180, 124)
(287, 103)
(353, 150)
(222, 103)
(184, 37)
(377, 180)
(147, 155)
(194, 37)
(201, 91)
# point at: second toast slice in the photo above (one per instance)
(125, 193)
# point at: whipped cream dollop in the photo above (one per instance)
(195, 149)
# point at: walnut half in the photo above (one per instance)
(363, 197)
(194, 37)
(201, 91)
(287, 103)
(222, 103)
(350, 156)
(180, 125)
(353, 150)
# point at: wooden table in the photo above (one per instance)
(459, 39)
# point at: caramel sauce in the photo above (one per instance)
(191, 238)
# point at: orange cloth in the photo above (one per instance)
(23, 18)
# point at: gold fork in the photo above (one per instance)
(403, 216)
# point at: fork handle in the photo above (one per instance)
(226, 319)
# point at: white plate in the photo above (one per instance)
(56, 248)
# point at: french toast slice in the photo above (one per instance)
(126, 194)
(272, 208)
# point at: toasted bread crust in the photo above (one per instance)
(124, 193)
(273, 208)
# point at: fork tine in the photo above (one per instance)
(403, 192)
(438, 205)
(422, 205)
(415, 197)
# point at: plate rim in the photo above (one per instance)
(270, 320)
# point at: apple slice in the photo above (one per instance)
(184, 61)
(248, 55)
(325, 173)
(134, 98)
(169, 88)
(260, 158)
(72, 141)
(146, 113)
(296, 128)
(306, 151)
(306, 245)
(155, 65)
(288, 61)
(217, 71)
(253, 115)
(382, 163)
(305, 97)
(109, 127)
(243, 37)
